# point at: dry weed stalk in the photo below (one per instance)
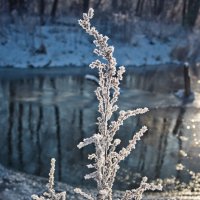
(51, 194)
(106, 159)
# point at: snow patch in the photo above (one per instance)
(67, 45)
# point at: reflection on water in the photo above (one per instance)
(45, 116)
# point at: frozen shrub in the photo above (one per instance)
(51, 194)
(106, 159)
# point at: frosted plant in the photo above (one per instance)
(106, 159)
(51, 195)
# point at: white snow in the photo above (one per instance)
(68, 45)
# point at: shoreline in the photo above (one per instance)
(17, 185)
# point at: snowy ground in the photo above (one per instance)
(69, 45)
(15, 185)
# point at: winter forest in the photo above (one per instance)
(99, 99)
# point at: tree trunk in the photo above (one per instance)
(184, 12)
(158, 7)
(97, 4)
(126, 7)
(86, 4)
(114, 5)
(187, 91)
(19, 5)
(190, 12)
(54, 9)
(11, 5)
(155, 6)
(139, 7)
(41, 11)
(193, 10)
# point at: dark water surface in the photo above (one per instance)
(46, 113)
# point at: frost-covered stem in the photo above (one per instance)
(123, 115)
(51, 175)
(51, 194)
(85, 195)
(137, 193)
(106, 72)
(105, 157)
(132, 143)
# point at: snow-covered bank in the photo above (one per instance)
(15, 185)
(21, 45)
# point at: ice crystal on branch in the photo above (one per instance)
(51, 194)
(106, 159)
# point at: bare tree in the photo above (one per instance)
(139, 7)
(54, 9)
(41, 11)
(18, 5)
(158, 6)
(17, 8)
(97, 4)
(86, 4)
(114, 5)
(190, 12)
(11, 5)
(126, 7)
